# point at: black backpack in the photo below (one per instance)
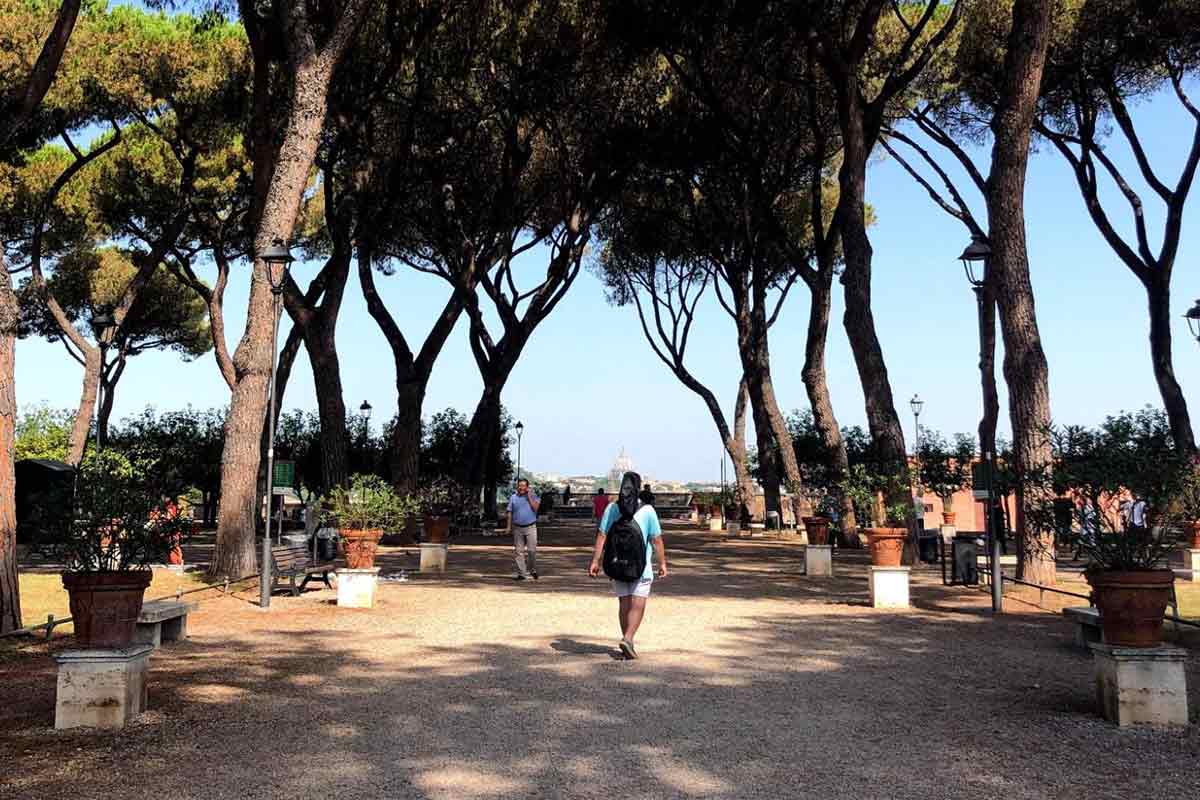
(625, 546)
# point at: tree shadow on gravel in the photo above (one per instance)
(824, 705)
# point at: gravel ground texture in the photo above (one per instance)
(754, 682)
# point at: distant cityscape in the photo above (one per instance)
(611, 481)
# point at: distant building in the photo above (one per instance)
(622, 465)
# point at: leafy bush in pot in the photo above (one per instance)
(368, 503)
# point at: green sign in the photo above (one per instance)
(285, 475)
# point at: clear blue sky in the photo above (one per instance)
(569, 386)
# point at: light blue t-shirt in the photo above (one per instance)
(521, 510)
(647, 520)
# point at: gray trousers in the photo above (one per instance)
(525, 546)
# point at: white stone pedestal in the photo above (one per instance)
(101, 688)
(433, 557)
(818, 560)
(733, 529)
(1191, 565)
(714, 524)
(356, 587)
(889, 586)
(1140, 685)
(947, 532)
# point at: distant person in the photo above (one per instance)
(566, 495)
(599, 504)
(1137, 518)
(1125, 511)
(523, 508)
(629, 537)
(646, 496)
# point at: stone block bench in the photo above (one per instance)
(163, 621)
(1087, 625)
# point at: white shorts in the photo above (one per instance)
(632, 588)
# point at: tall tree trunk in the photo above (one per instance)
(1158, 293)
(404, 449)
(882, 420)
(1025, 368)
(234, 555)
(481, 434)
(735, 445)
(816, 384)
(987, 365)
(10, 588)
(331, 405)
(82, 427)
(768, 446)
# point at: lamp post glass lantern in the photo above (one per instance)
(1193, 319)
(977, 252)
(277, 256)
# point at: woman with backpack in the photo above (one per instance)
(628, 543)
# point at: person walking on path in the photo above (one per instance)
(631, 595)
(599, 505)
(522, 524)
(646, 496)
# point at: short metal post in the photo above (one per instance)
(264, 574)
(997, 578)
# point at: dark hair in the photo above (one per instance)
(600, 490)
(522, 480)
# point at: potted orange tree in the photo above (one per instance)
(946, 469)
(438, 501)
(876, 496)
(362, 512)
(116, 530)
(1129, 458)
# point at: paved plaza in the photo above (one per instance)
(754, 682)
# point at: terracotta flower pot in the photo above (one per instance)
(1132, 605)
(437, 529)
(105, 605)
(359, 547)
(887, 546)
(817, 529)
(948, 517)
(1193, 529)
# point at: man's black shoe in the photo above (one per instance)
(535, 576)
(518, 577)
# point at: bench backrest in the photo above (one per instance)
(290, 556)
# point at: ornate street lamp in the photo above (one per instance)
(520, 431)
(1193, 318)
(977, 252)
(364, 411)
(278, 258)
(102, 321)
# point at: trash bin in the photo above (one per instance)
(327, 544)
(964, 553)
(772, 520)
(295, 539)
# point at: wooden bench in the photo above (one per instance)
(296, 561)
(1087, 624)
(163, 621)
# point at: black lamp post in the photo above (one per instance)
(1193, 319)
(102, 322)
(916, 404)
(520, 431)
(978, 252)
(278, 258)
(364, 411)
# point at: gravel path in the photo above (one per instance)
(754, 682)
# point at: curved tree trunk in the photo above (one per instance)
(816, 385)
(480, 437)
(10, 589)
(987, 366)
(82, 427)
(234, 555)
(1025, 367)
(1158, 294)
(331, 405)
